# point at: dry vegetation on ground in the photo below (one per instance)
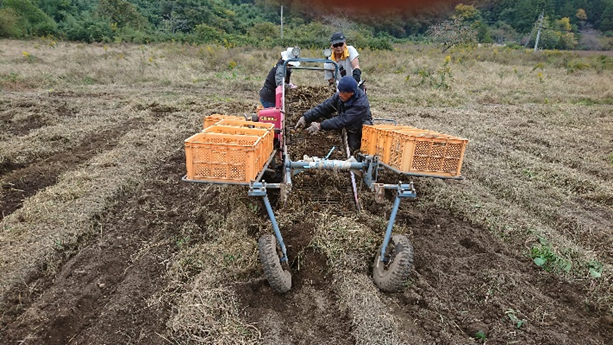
(100, 241)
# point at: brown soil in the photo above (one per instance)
(113, 287)
(19, 182)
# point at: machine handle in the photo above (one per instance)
(386, 120)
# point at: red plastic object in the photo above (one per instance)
(279, 97)
(274, 116)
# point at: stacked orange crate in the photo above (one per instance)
(384, 139)
(244, 123)
(213, 119)
(427, 153)
(369, 139)
(228, 154)
(416, 151)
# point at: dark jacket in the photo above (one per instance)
(351, 114)
(274, 79)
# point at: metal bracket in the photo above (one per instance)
(379, 193)
(257, 189)
(403, 191)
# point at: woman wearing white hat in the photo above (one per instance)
(275, 78)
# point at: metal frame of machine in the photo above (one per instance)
(393, 261)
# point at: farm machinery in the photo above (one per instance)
(254, 151)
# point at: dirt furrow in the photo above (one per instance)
(85, 199)
(25, 181)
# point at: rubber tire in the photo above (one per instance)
(279, 279)
(390, 276)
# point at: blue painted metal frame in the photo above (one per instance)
(310, 68)
(369, 167)
(259, 189)
(403, 191)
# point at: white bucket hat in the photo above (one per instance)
(287, 54)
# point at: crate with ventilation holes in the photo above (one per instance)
(415, 151)
(215, 118)
(227, 154)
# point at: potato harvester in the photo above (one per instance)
(242, 150)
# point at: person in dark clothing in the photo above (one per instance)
(352, 108)
(275, 78)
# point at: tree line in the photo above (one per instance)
(257, 22)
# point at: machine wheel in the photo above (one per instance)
(279, 279)
(391, 275)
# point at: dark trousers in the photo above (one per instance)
(354, 139)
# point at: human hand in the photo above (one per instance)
(301, 122)
(292, 86)
(314, 128)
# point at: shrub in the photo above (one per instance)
(30, 19)
(263, 31)
(8, 23)
(207, 34)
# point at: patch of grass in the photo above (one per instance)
(595, 268)
(436, 80)
(480, 335)
(543, 256)
(10, 77)
(89, 80)
(588, 101)
(575, 66)
(516, 321)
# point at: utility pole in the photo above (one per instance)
(281, 21)
(538, 33)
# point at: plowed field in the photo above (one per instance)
(102, 243)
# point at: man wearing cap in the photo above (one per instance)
(352, 108)
(275, 78)
(346, 58)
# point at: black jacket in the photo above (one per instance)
(351, 114)
(274, 79)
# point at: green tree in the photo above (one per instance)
(467, 12)
(57, 9)
(567, 38)
(206, 33)
(606, 23)
(453, 33)
(122, 14)
(31, 20)
(263, 31)
(87, 28)
(8, 23)
(470, 15)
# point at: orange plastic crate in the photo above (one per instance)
(414, 150)
(266, 134)
(368, 140)
(213, 119)
(377, 139)
(227, 154)
(432, 154)
(246, 124)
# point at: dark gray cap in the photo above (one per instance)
(337, 37)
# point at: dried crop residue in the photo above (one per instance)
(466, 282)
(24, 181)
(302, 316)
(110, 290)
(161, 261)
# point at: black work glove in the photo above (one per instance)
(357, 75)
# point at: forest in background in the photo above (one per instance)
(566, 24)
